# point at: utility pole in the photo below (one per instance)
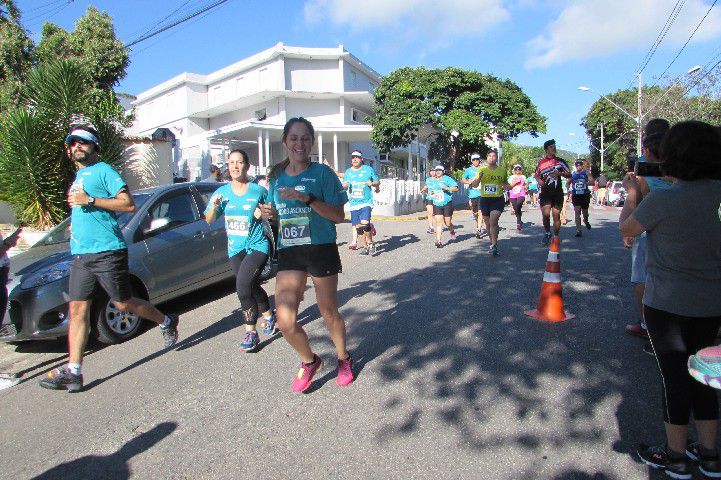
(602, 150)
(638, 119)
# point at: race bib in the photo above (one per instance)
(516, 190)
(237, 226)
(439, 196)
(580, 187)
(490, 189)
(295, 231)
(357, 191)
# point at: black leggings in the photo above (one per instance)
(253, 299)
(517, 204)
(3, 291)
(674, 338)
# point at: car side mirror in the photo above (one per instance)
(156, 225)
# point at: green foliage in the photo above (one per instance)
(53, 44)
(412, 100)
(34, 169)
(16, 51)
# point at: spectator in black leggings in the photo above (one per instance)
(248, 247)
(682, 305)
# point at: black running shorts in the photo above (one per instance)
(317, 260)
(551, 197)
(489, 204)
(582, 201)
(446, 210)
(108, 269)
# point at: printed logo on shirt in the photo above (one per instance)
(307, 180)
(300, 188)
(246, 207)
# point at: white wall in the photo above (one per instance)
(266, 76)
(312, 75)
(319, 112)
(354, 80)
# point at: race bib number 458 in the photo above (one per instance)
(295, 231)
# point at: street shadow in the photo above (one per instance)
(483, 354)
(110, 467)
(388, 244)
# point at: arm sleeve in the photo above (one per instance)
(112, 182)
(333, 191)
(651, 210)
(272, 186)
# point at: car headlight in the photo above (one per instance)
(47, 275)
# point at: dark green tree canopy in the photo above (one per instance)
(16, 53)
(475, 105)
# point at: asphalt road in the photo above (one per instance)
(453, 381)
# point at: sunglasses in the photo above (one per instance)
(78, 141)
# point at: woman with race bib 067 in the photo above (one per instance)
(306, 199)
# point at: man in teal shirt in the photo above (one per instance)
(100, 256)
(359, 181)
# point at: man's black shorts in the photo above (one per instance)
(551, 197)
(446, 210)
(427, 201)
(582, 201)
(489, 204)
(109, 269)
(318, 260)
(475, 204)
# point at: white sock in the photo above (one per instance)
(74, 368)
(166, 322)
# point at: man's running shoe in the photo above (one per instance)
(62, 379)
(170, 332)
(708, 465)
(578, 233)
(250, 341)
(453, 235)
(305, 374)
(345, 372)
(364, 251)
(372, 249)
(430, 230)
(547, 239)
(439, 244)
(270, 328)
(373, 230)
(657, 457)
(636, 330)
(478, 234)
(705, 366)
(588, 224)
(353, 246)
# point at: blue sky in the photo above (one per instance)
(548, 47)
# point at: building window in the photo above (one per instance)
(260, 115)
(353, 79)
(358, 116)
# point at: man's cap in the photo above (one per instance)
(548, 143)
(578, 162)
(475, 156)
(356, 153)
(439, 168)
(82, 134)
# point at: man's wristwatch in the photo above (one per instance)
(91, 201)
(311, 199)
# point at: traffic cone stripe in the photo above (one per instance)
(554, 257)
(550, 277)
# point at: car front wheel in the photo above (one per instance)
(111, 325)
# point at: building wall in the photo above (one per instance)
(312, 75)
(263, 77)
(319, 112)
(354, 80)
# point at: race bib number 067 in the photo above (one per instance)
(295, 231)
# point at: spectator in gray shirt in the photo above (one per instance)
(682, 301)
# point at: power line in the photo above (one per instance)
(662, 34)
(145, 31)
(178, 22)
(152, 44)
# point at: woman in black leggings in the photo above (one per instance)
(682, 305)
(248, 247)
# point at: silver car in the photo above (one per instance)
(171, 249)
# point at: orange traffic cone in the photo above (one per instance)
(550, 301)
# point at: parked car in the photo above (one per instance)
(615, 194)
(171, 250)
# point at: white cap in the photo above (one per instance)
(475, 156)
(356, 153)
(219, 164)
(439, 167)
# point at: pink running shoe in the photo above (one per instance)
(345, 372)
(353, 246)
(304, 377)
(453, 235)
(373, 230)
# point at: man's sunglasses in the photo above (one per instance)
(78, 141)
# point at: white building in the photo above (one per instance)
(246, 104)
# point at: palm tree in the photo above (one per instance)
(35, 172)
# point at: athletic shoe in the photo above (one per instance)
(708, 465)
(372, 249)
(494, 250)
(519, 227)
(373, 230)
(547, 239)
(270, 328)
(170, 333)
(62, 379)
(588, 224)
(305, 375)
(364, 251)
(430, 231)
(705, 366)
(345, 372)
(657, 457)
(636, 330)
(353, 246)
(453, 235)
(439, 245)
(578, 233)
(250, 341)
(478, 234)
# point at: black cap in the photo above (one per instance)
(548, 143)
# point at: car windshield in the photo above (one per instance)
(61, 232)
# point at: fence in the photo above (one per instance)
(402, 197)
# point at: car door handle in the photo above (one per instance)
(198, 234)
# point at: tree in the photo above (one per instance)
(671, 99)
(16, 51)
(34, 170)
(443, 101)
(528, 157)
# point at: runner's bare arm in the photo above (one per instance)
(630, 227)
(212, 214)
(122, 202)
(477, 181)
(334, 213)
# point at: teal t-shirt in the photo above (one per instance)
(470, 174)
(439, 196)
(93, 229)
(359, 193)
(245, 232)
(532, 184)
(429, 196)
(299, 224)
